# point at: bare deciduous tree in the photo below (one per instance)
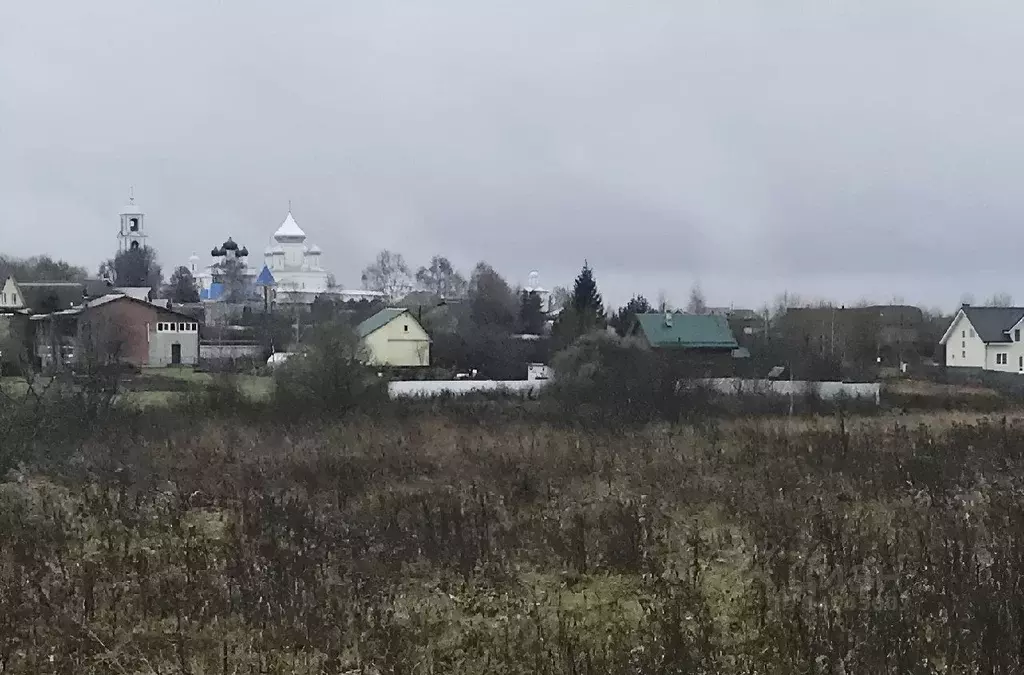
(663, 302)
(441, 279)
(697, 303)
(388, 274)
(1000, 299)
(560, 297)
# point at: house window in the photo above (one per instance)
(406, 328)
(963, 344)
(963, 355)
(1001, 359)
(181, 327)
(1016, 335)
(963, 333)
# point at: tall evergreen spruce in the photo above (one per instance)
(585, 298)
(585, 312)
(623, 319)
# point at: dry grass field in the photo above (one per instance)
(421, 544)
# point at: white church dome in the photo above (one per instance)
(315, 250)
(289, 230)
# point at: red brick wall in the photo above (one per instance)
(125, 324)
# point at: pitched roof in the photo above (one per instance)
(289, 229)
(116, 296)
(106, 300)
(137, 292)
(379, 320)
(94, 288)
(266, 278)
(992, 323)
(692, 331)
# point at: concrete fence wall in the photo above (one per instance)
(214, 352)
(825, 390)
(427, 388)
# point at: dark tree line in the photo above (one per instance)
(40, 268)
(134, 268)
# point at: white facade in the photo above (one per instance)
(533, 286)
(965, 347)
(296, 267)
(10, 295)
(299, 274)
(132, 233)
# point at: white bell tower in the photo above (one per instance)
(133, 228)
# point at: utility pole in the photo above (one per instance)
(833, 338)
(790, 388)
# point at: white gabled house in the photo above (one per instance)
(988, 338)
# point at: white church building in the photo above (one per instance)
(298, 275)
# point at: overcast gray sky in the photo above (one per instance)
(840, 149)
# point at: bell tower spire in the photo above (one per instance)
(132, 234)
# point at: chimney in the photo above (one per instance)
(668, 319)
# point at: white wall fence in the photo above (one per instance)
(213, 351)
(824, 390)
(428, 388)
(729, 385)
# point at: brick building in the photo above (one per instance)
(115, 328)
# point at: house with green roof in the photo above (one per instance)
(704, 332)
(393, 337)
(703, 341)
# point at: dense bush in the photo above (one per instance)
(43, 422)
(612, 378)
(328, 376)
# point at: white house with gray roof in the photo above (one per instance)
(987, 338)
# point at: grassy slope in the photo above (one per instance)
(257, 387)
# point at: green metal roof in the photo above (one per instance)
(378, 320)
(691, 331)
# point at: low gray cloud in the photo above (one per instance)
(832, 149)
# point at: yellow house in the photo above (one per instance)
(393, 337)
